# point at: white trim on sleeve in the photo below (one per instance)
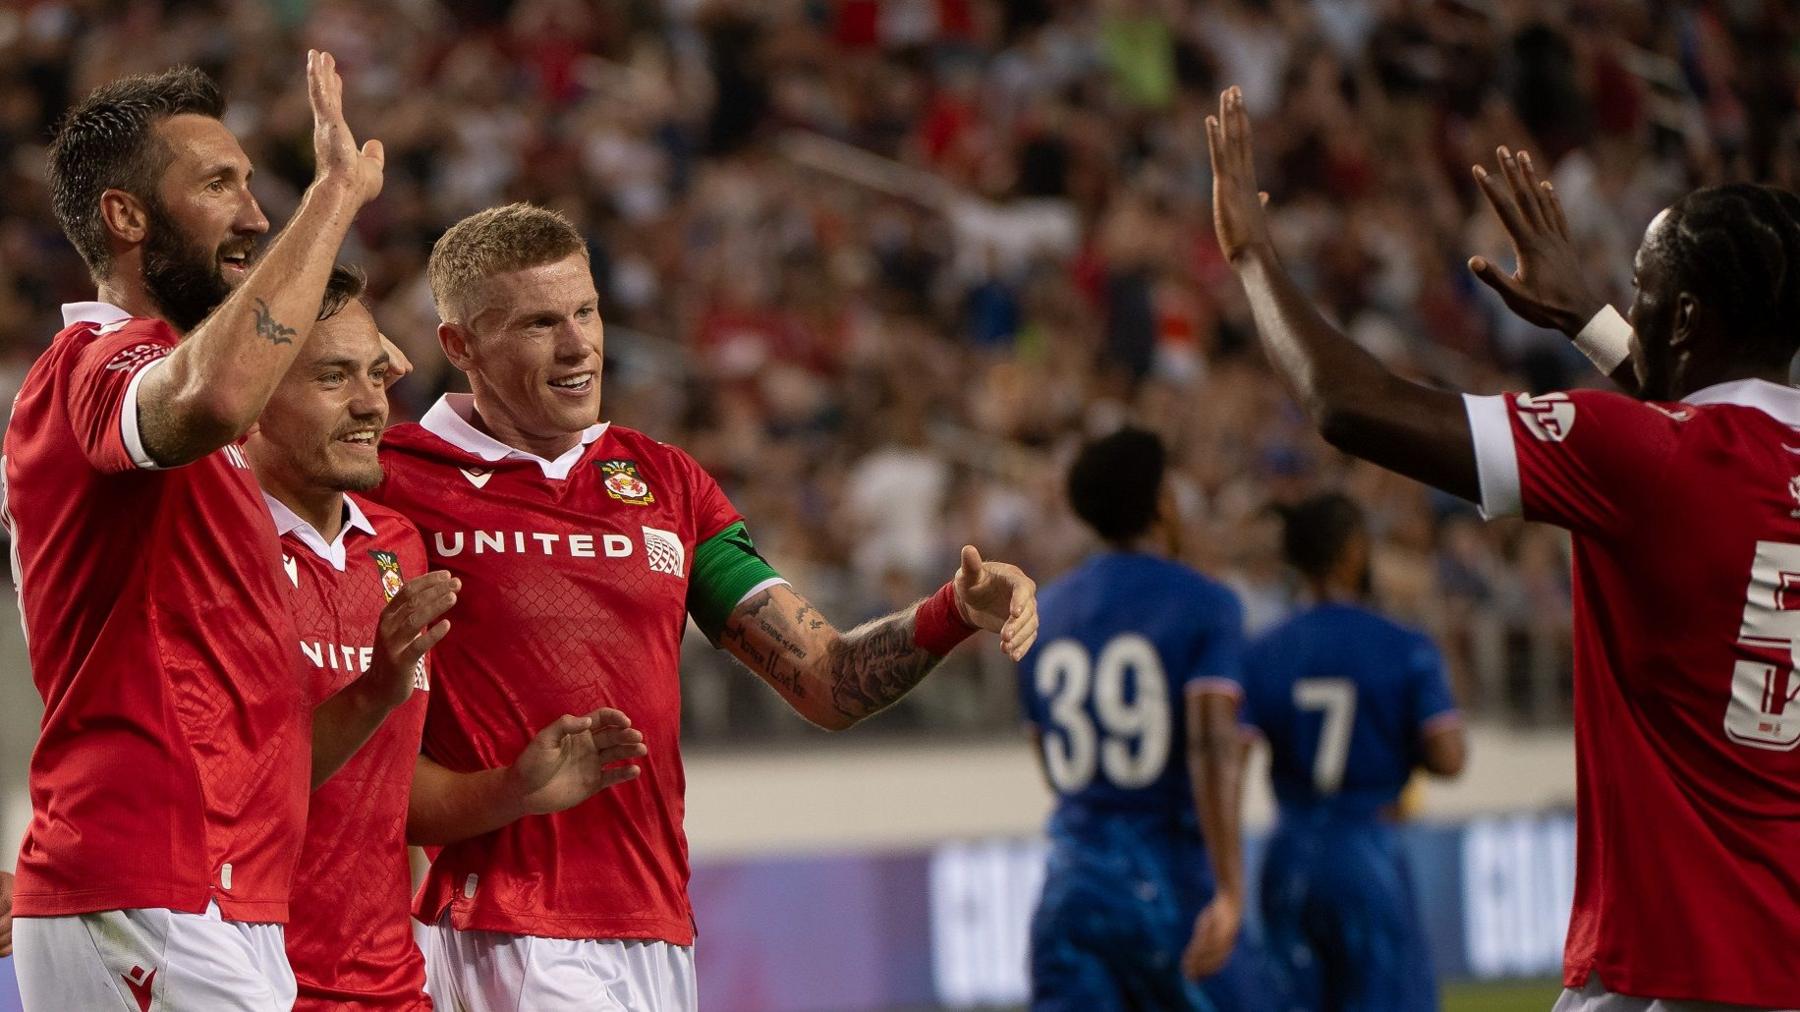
(1496, 457)
(772, 581)
(128, 420)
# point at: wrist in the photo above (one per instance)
(1604, 337)
(511, 796)
(941, 622)
(1259, 253)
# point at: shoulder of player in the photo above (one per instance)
(124, 344)
(392, 528)
(646, 450)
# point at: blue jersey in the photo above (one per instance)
(1120, 639)
(1343, 696)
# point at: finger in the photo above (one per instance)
(1553, 204)
(607, 737)
(1521, 193)
(1497, 279)
(971, 571)
(374, 152)
(554, 732)
(1241, 128)
(315, 84)
(1502, 203)
(1263, 195)
(606, 716)
(622, 753)
(419, 645)
(1534, 192)
(615, 776)
(1215, 144)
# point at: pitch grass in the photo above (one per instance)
(1503, 996)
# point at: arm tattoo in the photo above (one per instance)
(271, 328)
(865, 669)
(875, 664)
(781, 659)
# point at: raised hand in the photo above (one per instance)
(1215, 935)
(575, 758)
(1549, 288)
(405, 631)
(1238, 216)
(999, 598)
(334, 147)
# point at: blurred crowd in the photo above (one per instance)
(882, 264)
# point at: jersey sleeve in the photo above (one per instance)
(1428, 688)
(101, 395)
(1584, 460)
(1219, 661)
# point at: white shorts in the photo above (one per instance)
(1594, 997)
(127, 959)
(485, 971)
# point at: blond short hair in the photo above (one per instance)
(495, 241)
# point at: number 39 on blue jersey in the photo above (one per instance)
(1122, 639)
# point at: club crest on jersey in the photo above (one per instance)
(389, 564)
(623, 483)
(1549, 417)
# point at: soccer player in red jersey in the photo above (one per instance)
(363, 602)
(170, 779)
(583, 548)
(1683, 506)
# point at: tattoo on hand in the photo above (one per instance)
(271, 328)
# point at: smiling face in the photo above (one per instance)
(532, 347)
(202, 222)
(320, 430)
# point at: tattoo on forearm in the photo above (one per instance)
(875, 664)
(271, 328)
(778, 661)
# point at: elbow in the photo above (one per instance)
(831, 719)
(1338, 423)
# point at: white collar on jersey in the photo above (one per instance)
(448, 420)
(102, 313)
(1776, 400)
(287, 522)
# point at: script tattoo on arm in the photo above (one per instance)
(271, 328)
(831, 678)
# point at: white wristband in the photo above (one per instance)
(1606, 340)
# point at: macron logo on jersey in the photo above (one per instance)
(478, 476)
(1549, 417)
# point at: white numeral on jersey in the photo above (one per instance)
(1762, 712)
(1137, 731)
(1337, 698)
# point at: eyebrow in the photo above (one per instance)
(228, 169)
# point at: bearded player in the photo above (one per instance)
(583, 548)
(363, 602)
(1684, 513)
(170, 778)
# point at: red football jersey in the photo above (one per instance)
(349, 938)
(175, 755)
(1686, 529)
(575, 579)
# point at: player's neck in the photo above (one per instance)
(129, 294)
(545, 447)
(1335, 592)
(1699, 378)
(323, 509)
(1145, 544)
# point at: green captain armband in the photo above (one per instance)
(726, 570)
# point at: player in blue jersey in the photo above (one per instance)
(1111, 695)
(1350, 704)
